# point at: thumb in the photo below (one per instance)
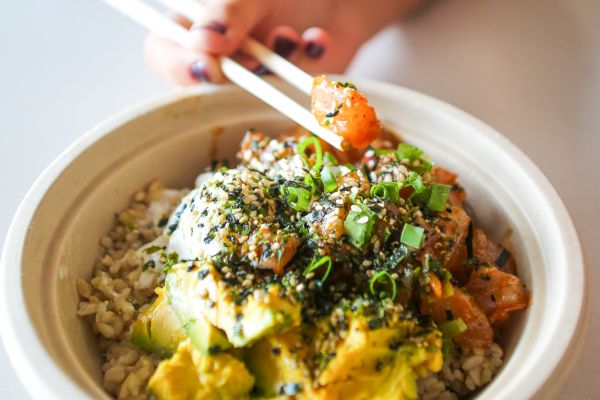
(224, 24)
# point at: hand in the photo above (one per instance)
(317, 35)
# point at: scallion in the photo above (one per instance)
(316, 264)
(386, 191)
(298, 198)
(359, 225)
(378, 277)
(415, 181)
(453, 327)
(301, 150)
(311, 183)
(412, 235)
(414, 155)
(331, 158)
(439, 197)
(328, 178)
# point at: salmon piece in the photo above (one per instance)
(479, 333)
(487, 251)
(453, 229)
(443, 176)
(277, 261)
(345, 111)
(497, 293)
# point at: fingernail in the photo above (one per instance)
(284, 46)
(198, 71)
(215, 26)
(314, 50)
(261, 70)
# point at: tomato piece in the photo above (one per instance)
(479, 332)
(497, 293)
(345, 111)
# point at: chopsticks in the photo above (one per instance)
(157, 22)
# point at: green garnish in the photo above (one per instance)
(414, 155)
(297, 197)
(359, 225)
(453, 327)
(172, 259)
(152, 249)
(316, 264)
(386, 191)
(439, 197)
(331, 158)
(415, 181)
(328, 178)
(412, 235)
(379, 276)
(301, 150)
(149, 264)
(311, 183)
(348, 85)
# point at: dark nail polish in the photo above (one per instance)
(261, 70)
(314, 50)
(284, 46)
(198, 71)
(216, 26)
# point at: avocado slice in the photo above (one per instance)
(278, 365)
(192, 375)
(197, 292)
(157, 330)
(205, 336)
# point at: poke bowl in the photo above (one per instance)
(56, 264)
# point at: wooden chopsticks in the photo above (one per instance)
(157, 22)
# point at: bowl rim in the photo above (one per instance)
(40, 374)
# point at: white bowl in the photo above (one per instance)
(53, 237)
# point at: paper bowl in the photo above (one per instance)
(53, 238)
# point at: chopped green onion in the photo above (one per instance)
(382, 152)
(414, 155)
(386, 191)
(328, 178)
(298, 198)
(415, 181)
(316, 264)
(453, 327)
(359, 226)
(439, 197)
(379, 276)
(301, 150)
(408, 152)
(412, 235)
(331, 158)
(350, 167)
(311, 183)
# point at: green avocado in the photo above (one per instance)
(205, 336)
(157, 329)
(198, 293)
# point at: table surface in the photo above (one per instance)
(531, 69)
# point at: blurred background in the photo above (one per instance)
(529, 68)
